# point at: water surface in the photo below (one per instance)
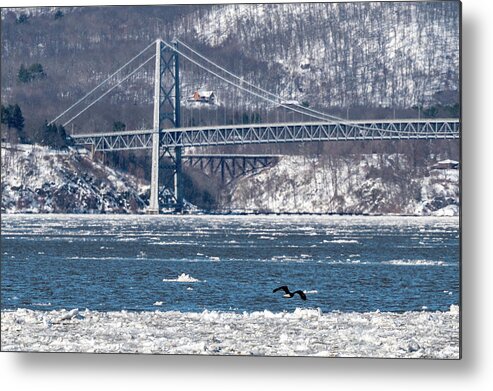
(119, 262)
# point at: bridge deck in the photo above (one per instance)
(445, 128)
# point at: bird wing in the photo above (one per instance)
(284, 288)
(302, 294)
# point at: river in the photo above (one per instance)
(229, 263)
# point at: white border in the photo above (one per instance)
(473, 372)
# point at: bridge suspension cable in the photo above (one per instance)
(100, 85)
(239, 86)
(277, 97)
(111, 89)
(272, 98)
(321, 115)
(317, 116)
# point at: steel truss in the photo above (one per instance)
(229, 167)
(425, 129)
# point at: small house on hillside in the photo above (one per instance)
(446, 164)
(203, 97)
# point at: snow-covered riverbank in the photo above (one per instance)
(303, 332)
(38, 179)
(363, 184)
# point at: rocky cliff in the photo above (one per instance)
(42, 180)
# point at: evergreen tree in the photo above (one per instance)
(47, 134)
(13, 118)
(5, 115)
(119, 126)
(23, 139)
(16, 118)
(245, 119)
(22, 18)
(52, 135)
(255, 118)
(62, 137)
(36, 71)
(24, 75)
(431, 112)
(454, 110)
(38, 134)
(44, 134)
(59, 14)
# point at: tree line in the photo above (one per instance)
(12, 120)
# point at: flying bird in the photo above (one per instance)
(288, 293)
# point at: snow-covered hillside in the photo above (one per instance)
(42, 180)
(374, 184)
(351, 59)
(365, 54)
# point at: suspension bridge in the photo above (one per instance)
(168, 135)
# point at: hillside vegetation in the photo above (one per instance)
(356, 59)
(353, 60)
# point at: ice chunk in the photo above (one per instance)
(454, 309)
(181, 278)
(69, 315)
(414, 262)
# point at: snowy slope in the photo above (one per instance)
(346, 54)
(376, 184)
(41, 180)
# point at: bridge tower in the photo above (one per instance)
(166, 115)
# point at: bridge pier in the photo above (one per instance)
(166, 113)
(178, 180)
(154, 200)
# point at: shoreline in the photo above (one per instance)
(303, 332)
(234, 214)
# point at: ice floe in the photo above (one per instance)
(341, 241)
(181, 278)
(68, 315)
(303, 332)
(414, 262)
